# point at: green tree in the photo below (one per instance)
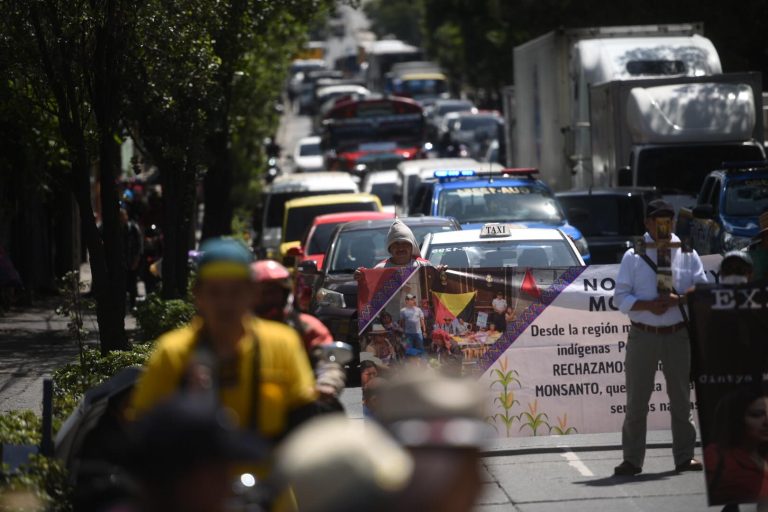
(69, 61)
(169, 95)
(399, 18)
(252, 41)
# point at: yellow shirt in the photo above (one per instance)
(287, 381)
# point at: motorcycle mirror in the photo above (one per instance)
(337, 352)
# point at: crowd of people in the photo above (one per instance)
(231, 407)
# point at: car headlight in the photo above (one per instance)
(581, 245)
(330, 298)
(735, 243)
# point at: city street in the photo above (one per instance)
(570, 209)
(575, 473)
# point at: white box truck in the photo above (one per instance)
(553, 74)
(671, 132)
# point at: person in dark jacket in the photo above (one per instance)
(133, 247)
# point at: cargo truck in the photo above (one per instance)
(550, 111)
(671, 132)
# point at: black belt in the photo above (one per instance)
(662, 329)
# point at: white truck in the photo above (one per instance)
(671, 132)
(550, 111)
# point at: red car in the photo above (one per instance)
(315, 243)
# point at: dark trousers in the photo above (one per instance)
(644, 351)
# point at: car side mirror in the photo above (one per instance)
(397, 197)
(625, 176)
(308, 267)
(703, 211)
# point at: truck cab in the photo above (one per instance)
(727, 208)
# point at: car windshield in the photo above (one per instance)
(385, 191)
(311, 149)
(417, 87)
(746, 198)
(275, 203)
(321, 238)
(499, 204)
(475, 123)
(299, 218)
(367, 247)
(605, 215)
(447, 108)
(518, 253)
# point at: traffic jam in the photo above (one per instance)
(391, 140)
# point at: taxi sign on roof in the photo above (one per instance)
(495, 231)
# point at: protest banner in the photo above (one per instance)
(548, 343)
(730, 369)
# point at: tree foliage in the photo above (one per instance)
(398, 18)
(194, 83)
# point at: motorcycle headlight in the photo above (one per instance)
(330, 298)
(735, 243)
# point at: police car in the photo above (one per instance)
(502, 245)
(476, 198)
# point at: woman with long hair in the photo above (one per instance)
(737, 457)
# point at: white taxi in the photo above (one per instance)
(502, 245)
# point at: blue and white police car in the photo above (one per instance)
(509, 196)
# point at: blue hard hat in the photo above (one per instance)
(224, 257)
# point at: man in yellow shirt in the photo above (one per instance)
(215, 356)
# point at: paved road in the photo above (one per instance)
(575, 474)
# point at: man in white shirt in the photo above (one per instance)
(658, 333)
(499, 305)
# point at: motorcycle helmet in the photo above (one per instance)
(270, 270)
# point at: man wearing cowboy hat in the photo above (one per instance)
(758, 251)
(380, 346)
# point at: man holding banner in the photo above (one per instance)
(649, 288)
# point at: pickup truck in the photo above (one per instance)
(725, 216)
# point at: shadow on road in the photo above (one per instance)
(627, 480)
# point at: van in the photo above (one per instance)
(268, 219)
(410, 176)
(300, 213)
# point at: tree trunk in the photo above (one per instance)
(112, 234)
(105, 95)
(110, 320)
(178, 180)
(217, 185)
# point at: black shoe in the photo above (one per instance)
(626, 468)
(691, 465)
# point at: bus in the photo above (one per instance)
(360, 135)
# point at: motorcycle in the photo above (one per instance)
(273, 169)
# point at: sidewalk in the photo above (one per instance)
(35, 342)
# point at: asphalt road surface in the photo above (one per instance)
(575, 474)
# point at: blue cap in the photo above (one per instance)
(224, 257)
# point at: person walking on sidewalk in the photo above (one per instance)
(658, 333)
